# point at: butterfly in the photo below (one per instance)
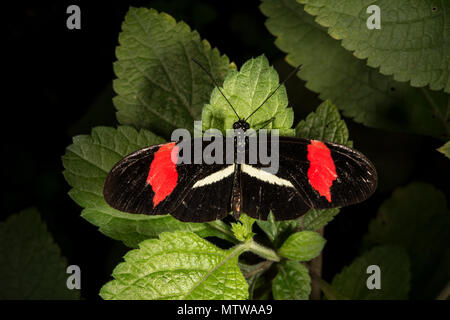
(309, 174)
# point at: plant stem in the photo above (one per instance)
(326, 288)
(316, 269)
(262, 251)
(257, 268)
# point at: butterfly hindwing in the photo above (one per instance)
(264, 192)
(209, 198)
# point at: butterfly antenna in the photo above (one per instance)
(215, 83)
(270, 95)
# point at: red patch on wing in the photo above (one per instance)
(321, 172)
(163, 175)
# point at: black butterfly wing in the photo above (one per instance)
(311, 174)
(207, 202)
(259, 198)
(148, 182)
(208, 197)
(355, 176)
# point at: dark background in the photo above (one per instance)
(59, 85)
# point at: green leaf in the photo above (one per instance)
(180, 265)
(316, 219)
(246, 90)
(445, 149)
(302, 246)
(253, 274)
(292, 282)
(360, 91)
(242, 229)
(31, 263)
(395, 275)
(87, 162)
(408, 211)
(276, 230)
(411, 43)
(416, 217)
(324, 124)
(258, 289)
(159, 87)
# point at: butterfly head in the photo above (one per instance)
(241, 124)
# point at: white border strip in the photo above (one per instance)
(265, 176)
(215, 177)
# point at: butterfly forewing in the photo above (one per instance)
(326, 174)
(311, 174)
(149, 182)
